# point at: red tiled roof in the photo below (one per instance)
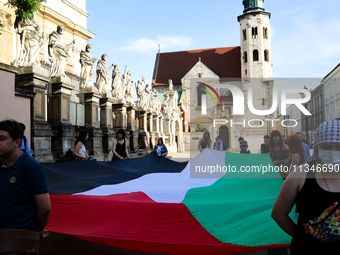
(225, 62)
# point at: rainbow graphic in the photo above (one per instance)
(209, 93)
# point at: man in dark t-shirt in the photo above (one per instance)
(24, 198)
(265, 145)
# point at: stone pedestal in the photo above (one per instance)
(120, 117)
(131, 118)
(106, 122)
(150, 122)
(91, 100)
(94, 144)
(143, 121)
(59, 116)
(132, 127)
(35, 79)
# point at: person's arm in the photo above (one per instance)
(43, 211)
(285, 201)
(165, 151)
(126, 151)
(199, 145)
(114, 149)
(76, 150)
(28, 147)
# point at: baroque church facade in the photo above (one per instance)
(248, 66)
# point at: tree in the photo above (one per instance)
(199, 128)
(25, 9)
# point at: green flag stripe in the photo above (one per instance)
(238, 210)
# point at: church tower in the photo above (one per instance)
(256, 60)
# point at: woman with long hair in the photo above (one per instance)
(278, 149)
(160, 148)
(315, 190)
(296, 153)
(119, 149)
(205, 141)
(79, 149)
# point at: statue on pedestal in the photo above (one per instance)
(118, 88)
(58, 51)
(30, 42)
(128, 84)
(103, 79)
(167, 106)
(141, 94)
(156, 103)
(87, 70)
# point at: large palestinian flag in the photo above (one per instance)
(151, 204)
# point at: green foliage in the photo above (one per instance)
(199, 127)
(25, 9)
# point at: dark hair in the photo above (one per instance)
(13, 128)
(81, 137)
(161, 140)
(271, 140)
(23, 136)
(122, 132)
(266, 137)
(241, 138)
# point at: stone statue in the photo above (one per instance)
(170, 85)
(58, 51)
(30, 42)
(167, 106)
(148, 95)
(156, 103)
(128, 84)
(87, 70)
(118, 87)
(103, 79)
(142, 96)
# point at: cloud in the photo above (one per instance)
(310, 45)
(146, 45)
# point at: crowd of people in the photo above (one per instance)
(314, 188)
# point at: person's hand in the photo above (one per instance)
(121, 158)
(44, 233)
(128, 157)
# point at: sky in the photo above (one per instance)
(305, 34)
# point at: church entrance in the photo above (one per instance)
(224, 136)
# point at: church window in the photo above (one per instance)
(245, 72)
(265, 32)
(245, 57)
(263, 101)
(255, 55)
(266, 55)
(200, 92)
(254, 32)
(244, 34)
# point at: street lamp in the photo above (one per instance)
(303, 95)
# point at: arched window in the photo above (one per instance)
(255, 55)
(200, 92)
(265, 33)
(254, 32)
(244, 32)
(245, 57)
(266, 55)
